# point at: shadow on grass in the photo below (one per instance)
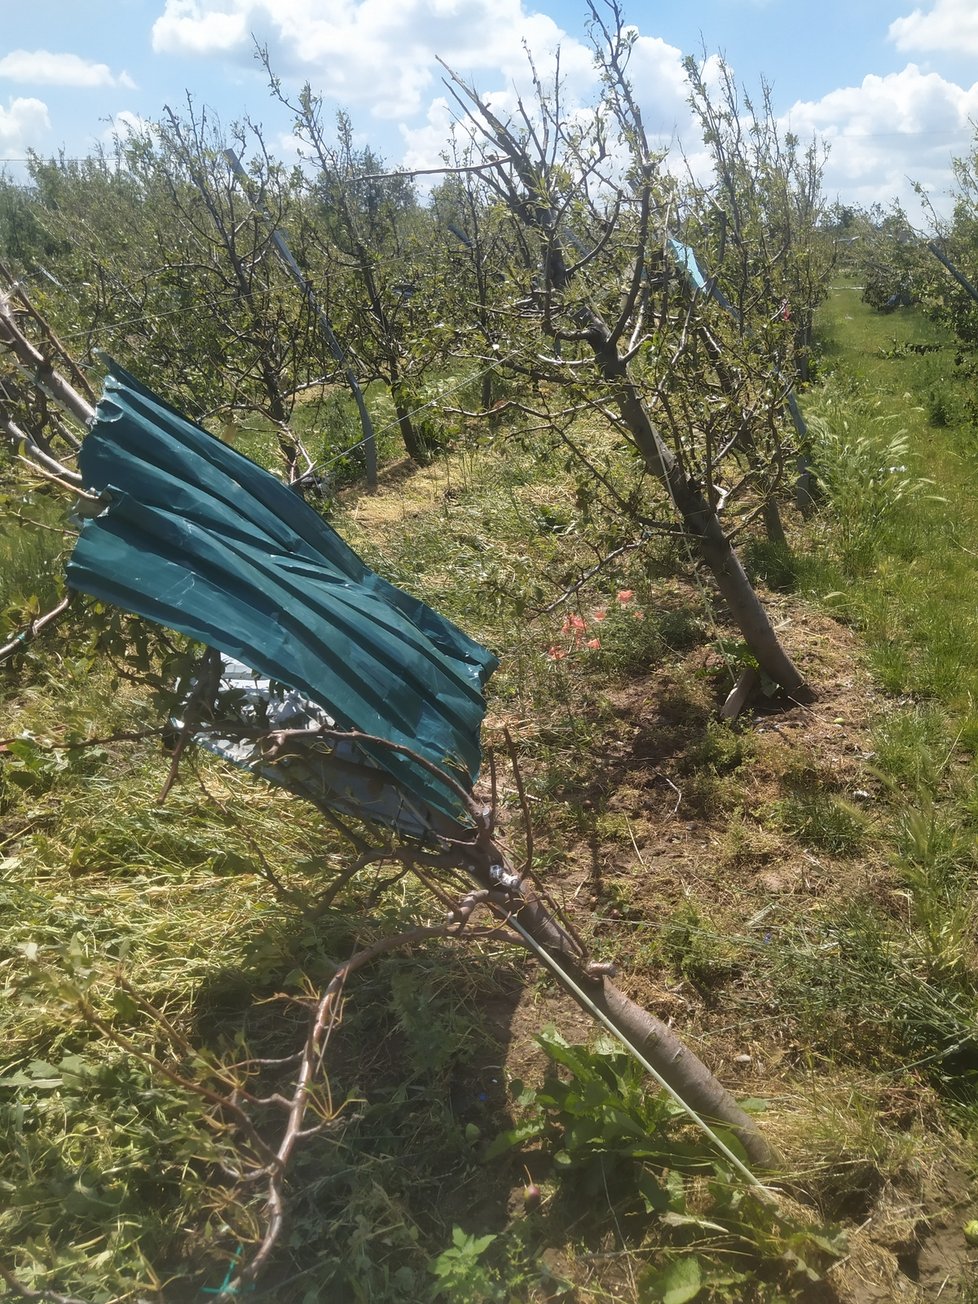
(416, 1084)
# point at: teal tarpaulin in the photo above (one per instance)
(200, 539)
(687, 263)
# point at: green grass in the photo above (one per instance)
(32, 552)
(903, 551)
(895, 558)
(855, 985)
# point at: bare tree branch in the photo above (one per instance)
(20, 641)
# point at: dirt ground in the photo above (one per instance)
(649, 840)
(635, 835)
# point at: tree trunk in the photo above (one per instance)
(413, 444)
(805, 482)
(678, 1065)
(773, 525)
(745, 607)
(701, 523)
(287, 444)
(685, 1072)
(803, 349)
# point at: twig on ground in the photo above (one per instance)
(326, 1018)
(20, 641)
(526, 869)
(124, 736)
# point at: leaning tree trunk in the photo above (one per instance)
(684, 1072)
(699, 519)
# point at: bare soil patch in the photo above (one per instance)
(659, 826)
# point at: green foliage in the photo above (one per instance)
(860, 989)
(911, 746)
(622, 1149)
(722, 749)
(863, 465)
(911, 603)
(762, 218)
(462, 1275)
(900, 266)
(949, 298)
(892, 260)
(771, 563)
(623, 634)
(30, 568)
(689, 1277)
(604, 1110)
(22, 236)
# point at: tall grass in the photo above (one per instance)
(863, 462)
(31, 567)
(898, 538)
(902, 530)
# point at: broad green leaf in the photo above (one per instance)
(514, 1136)
(678, 1282)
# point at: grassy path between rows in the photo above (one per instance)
(916, 593)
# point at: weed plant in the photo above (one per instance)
(623, 1154)
(861, 459)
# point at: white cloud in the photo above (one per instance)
(656, 70)
(197, 27)
(949, 25)
(42, 68)
(124, 124)
(22, 123)
(888, 132)
(379, 53)
(423, 145)
(377, 57)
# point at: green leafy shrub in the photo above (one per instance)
(625, 1149)
(462, 1275)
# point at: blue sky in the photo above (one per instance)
(892, 85)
